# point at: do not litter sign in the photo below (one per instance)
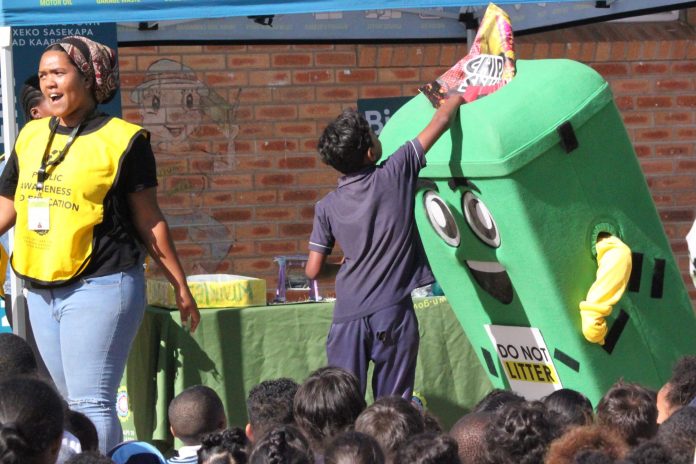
(525, 359)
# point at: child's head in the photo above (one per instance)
(567, 408)
(429, 448)
(34, 103)
(270, 404)
(495, 399)
(392, 421)
(327, 403)
(348, 143)
(353, 448)
(282, 445)
(84, 430)
(16, 357)
(31, 421)
(604, 440)
(510, 423)
(678, 433)
(194, 412)
(630, 409)
(229, 446)
(470, 434)
(680, 390)
(650, 452)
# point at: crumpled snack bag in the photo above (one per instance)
(489, 65)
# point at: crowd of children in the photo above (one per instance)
(326, 419)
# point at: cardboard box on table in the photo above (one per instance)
(541, 167)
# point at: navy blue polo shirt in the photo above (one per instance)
(370, 214)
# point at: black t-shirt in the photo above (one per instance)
(116, 245)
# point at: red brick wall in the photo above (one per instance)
(256, 201)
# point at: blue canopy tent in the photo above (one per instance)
(40, 12)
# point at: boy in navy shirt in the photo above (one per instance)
(370, 214)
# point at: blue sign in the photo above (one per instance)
(377, 111)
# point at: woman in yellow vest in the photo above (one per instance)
(80, 189)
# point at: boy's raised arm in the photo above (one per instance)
(440, 121)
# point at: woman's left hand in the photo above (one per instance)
(188, 309)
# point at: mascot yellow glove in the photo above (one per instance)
(613, 272)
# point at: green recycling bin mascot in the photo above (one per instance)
(540, 228)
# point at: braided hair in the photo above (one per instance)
(282, 445)
(31, 420)
(224, 447)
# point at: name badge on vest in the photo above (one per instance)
(38, 214)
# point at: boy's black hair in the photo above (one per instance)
(31, 419)
(195, 412)
(282, 445)
(353, 448)
(429, 448)
(678, 434)
(631, 409)
(520, 433)
(327, 403)
(270, 404)
(345, 141)
(230, 446)
(431, 423)
(16, 357)
(682, 384)
(567, 408)
(495, 399)
(649, 452)
(84, 430)
(89, 457)
(392, 421)
(470, 434)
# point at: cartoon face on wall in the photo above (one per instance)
(174, 103)
(170, 101)
(509, 209)
(175, 106)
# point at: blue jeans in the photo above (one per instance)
(84, 332)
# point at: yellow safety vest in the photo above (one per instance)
(3, 269)
(75, 189)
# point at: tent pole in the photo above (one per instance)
(9, 134)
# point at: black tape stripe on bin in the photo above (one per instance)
(489, 362)
(658, 280)
(566, 359)
(569, 141)
(636, 272)
(615, 332)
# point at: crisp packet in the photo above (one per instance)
(489, 65)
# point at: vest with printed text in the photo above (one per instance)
(75, 189)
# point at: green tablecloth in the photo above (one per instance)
(234, 349)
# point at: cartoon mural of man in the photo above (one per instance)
(174, 104)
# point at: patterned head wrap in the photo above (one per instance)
(96, 61)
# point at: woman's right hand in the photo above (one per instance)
(188, 309)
